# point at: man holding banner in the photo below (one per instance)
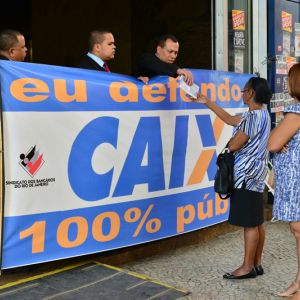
(120, 173)
(162, 62)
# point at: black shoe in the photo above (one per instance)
(251, 274)
(259, 270)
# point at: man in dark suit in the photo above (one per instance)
(162, 62)
(102, 49)
(12, 45)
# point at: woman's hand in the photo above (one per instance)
(284, 149)
(219, 111)
(201, 99)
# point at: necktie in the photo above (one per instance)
(105, 65)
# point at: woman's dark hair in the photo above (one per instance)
(261, 88)
(294, 81)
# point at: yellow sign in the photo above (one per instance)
(238, 19)
(286, 21)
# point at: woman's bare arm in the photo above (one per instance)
(220, 112)
(286, 129)
(238, 141)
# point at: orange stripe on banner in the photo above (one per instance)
(218, 126)
(206, 155)
(201, 166)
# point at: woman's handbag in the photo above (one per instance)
(224, 180)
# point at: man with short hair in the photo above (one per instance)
(162, 62)
(102, 49)
(12, 45)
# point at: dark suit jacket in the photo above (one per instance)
(150, 65)
(3, 57)
(88, 63)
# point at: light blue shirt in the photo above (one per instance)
(97, 59)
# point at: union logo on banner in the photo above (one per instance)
(238, 19)
(286, 21)
(32, 161)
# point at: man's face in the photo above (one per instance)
(169, 52)
(18, 52)
(107, 48)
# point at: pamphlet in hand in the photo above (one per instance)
(191, 90)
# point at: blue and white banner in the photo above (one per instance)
(97, 161)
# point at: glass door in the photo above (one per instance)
(239, 36)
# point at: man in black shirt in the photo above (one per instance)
(162, 62)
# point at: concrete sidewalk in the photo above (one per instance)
(199, 268)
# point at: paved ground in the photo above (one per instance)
(88, 282)
(200, 268)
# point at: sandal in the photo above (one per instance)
(289, 291)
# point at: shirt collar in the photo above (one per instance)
(97, 59)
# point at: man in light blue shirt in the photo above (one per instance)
(102, 49)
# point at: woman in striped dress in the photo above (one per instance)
(249, 144)
(285, 142)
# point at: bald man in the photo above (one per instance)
(12, 45)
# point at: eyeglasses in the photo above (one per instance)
(245, 90)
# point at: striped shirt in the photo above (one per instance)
(250, 162)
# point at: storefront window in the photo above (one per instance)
(239, 42)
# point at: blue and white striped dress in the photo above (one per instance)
(250, 163)
(287, 178)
